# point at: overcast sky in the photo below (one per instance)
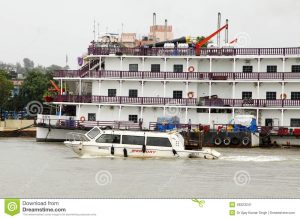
(46, 30)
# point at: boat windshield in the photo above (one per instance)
(93, 133)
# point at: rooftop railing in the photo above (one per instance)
(180, 75)
(205, 102)
(92, 50)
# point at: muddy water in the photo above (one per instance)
(50, 170)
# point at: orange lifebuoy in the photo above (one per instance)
(191, 69)
(283, 96)
(82, 119)
(190, 94)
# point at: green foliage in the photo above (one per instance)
(35, 85)
(6, 87)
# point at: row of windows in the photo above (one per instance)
(177, 94)
(270, 95)
(155, 68)
(134, 140)
(179, 68)
(113, 93)
(132, 118)
(293, 122)
(270, 68)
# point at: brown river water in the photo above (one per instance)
(50, 170)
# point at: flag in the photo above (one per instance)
(80, 61)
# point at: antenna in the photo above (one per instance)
(154, 29)
(226, 32)
(166, 26)
(94, 31)
(98, 34)
(219, 26)
(67, 59)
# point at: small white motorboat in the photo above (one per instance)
(143, 144)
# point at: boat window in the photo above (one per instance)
(158, 141)
(133, 140)
(107, 138)
(93, 133)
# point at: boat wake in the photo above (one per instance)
(253, 158)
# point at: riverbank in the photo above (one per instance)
(17, 128)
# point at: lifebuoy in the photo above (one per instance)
(227, 141)
(190, 94)
(82, 119)
(218, 141)
(283, 96)
(191, 69)
(246, 141)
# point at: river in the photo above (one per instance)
(50, 170)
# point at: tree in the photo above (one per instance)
(28, 64)
(34, 86)
(6, 87)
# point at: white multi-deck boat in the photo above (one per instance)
(132, 87)
(139, 144)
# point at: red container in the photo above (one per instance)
(283, 131)
(296, 132)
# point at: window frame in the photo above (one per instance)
(270, 95)
(113, 136)
(270, 68)
(177, 92)
(133, 120)
(247, 92)
(176, 66)
(131, 137)
(90, 115)
(247, 66)
(170, 144)
(298, 122)
(135, 66)
(154, 66)
(295, 68)
(130, 93)
(295, 95)
(110, 90)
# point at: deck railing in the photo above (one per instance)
(180, 75)
(126, 100)
(205, 102)
(92, 50)
(79, 124)
(249, 103)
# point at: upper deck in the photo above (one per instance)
(140, 51)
